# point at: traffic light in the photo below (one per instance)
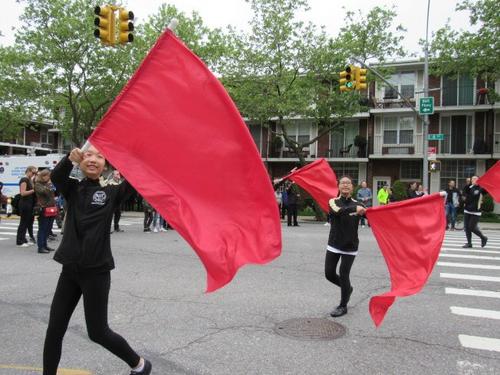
(434, 166)
(346, 79)
(126, 26)
(105, 23)
(360, 78)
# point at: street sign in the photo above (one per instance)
(435, 137)
(426, 106)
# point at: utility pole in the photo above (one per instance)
(425, 169)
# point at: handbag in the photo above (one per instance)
(37, 210)
(50, 211)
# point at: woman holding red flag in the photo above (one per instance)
(343, 241)
(85, 255)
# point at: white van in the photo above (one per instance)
(13, 167)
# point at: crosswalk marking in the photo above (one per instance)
(468, 265)
(471, 250)
(476, 313)
(461, 256)
(472, 292)
(482, 343)
(469, 277)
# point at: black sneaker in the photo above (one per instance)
(145, 371)
(147, 230)
(339, 311)
(43, 251)
(467, 245)
(48, 248)
(484, 240)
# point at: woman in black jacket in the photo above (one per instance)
(343, 241)
(85, 254)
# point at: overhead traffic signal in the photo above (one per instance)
(346, 79)
(126, 26)
(105, 23)
(360, 75)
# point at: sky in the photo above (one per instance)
(329, 13)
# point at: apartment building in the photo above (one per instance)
(469, 121)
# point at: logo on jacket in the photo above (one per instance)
(99, 198)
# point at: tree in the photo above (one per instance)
(474, 53)
(71, 73)
(289, 69)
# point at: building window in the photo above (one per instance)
(458, 90)
(255, 131)
(342, 137)
(300, 131)
(347, 169)
(410, 170)
(458, 134)
(398, 130)
(457, 170)
(404, 82)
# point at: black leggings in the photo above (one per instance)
(470, 226)
(341, 280)
(95, 291)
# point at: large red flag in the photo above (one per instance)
(319, 180)
(410, 235)
(178, 138)
(491, 181)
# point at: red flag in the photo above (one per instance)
(319, 180)
(491, 181)
(178, 138)
(410, 235)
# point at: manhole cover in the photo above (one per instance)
(310, 329)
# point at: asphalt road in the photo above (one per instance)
(158, 304)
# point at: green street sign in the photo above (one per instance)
(435, 137)
(426, 106)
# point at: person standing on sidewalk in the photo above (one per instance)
(364, 196)
(85, 253)
(452, 203)
(116, 179)
(343, 241)
(26, 204)
(44, 198)
(472, 212)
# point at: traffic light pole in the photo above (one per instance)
(425, 169)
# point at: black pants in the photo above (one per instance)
(341, 280)
(148, 219)
(470, 226)
(25, 222)
(95, 291)
(292, 213)
(116, 220)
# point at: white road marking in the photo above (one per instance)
(469, 277)
(467, 265)
(476, 313)
(482, 343)
(472, 292)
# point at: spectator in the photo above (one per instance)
(364, 196)
(26, 204)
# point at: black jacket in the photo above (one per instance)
(344, 224)
(86, 241)
(473, 198)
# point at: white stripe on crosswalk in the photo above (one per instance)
(469, 277)
(472, 292)
(476, 313)
(467, 265)
(482, 343)
(2, 239)
(8, 233)
(469, 256)
(471, 250)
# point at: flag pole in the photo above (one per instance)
(173, 24)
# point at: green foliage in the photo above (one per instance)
(399, 190)
(470, 52)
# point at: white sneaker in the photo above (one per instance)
(327, 224)
(23, 245)
(362, 226)
(163, 230)
(155, 230)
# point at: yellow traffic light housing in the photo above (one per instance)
(346, 79)
(126, 26)
(105, 23)
(360, 78)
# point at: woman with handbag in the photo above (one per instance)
(46, 207)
